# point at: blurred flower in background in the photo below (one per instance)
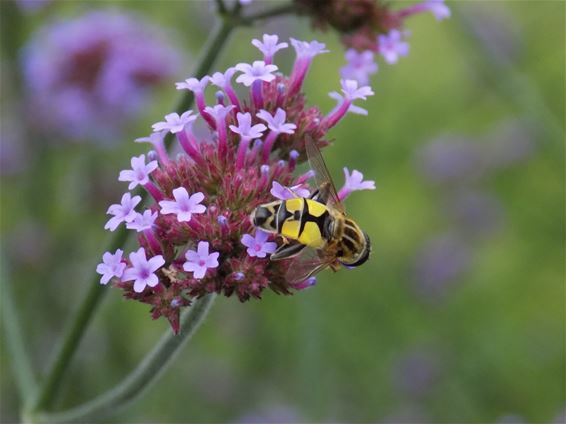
(86, 78)
(32, 6)
(459, 167)
(368, 27)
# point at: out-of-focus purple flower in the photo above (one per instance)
(123, 212)
(440, 262)
(509, 144)
(139, 174)
(277, 122)
(32, 6)
(438, 9)
(143, 221)
(111, 266)
(359, 67)
(281, 192)
(258, 246)
(142, 271)
(511, 419)
(354, 182)
(451, 160)
(269, 46)
(201, 260)
(184, 206)
(475, 214)
(245, 128)
(87, 77)
(391, 46)
(175, 123)
(258, 71)
(415, 373)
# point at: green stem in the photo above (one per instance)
(141, 378)
(21, 363)
(281, 10)
(74, 332)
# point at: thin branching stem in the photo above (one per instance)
(141, 378)
(284, 9)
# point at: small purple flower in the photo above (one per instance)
(355, 181)
(175, 123)
(353, 92)
(391, 46)
(360, 66)
(219, 112)
(142, 271)
(111, 266)
(276, 123)
(308, 49)
(283, 193)
(258, 246)
(143, 221)
(357, 110)
(184, 205)
(123, 212)
(139, 174)
(437, 8)
(258, 71)
(198, 262)
(222, 80)
(245, 128)
(269, 46)
(193, 84)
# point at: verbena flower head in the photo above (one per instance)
(368, 26)
(90, 75)
(198, 218)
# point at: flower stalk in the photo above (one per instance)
(141, 378)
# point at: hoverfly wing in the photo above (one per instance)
(327, 190)
(306, 264)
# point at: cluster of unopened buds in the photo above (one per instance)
(196, 236)
(369, 27)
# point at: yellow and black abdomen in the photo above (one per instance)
(304, 220)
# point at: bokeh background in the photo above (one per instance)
(459, 315)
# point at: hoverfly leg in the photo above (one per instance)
(287, 251)
(322, 194)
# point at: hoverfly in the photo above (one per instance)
(318, 222)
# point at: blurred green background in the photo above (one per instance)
(442, 325)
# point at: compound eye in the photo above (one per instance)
(260, 216)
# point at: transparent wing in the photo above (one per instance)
(306, 264)
(322, 176)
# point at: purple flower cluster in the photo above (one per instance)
(196, 236)
(87, 77)
(369, 27)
